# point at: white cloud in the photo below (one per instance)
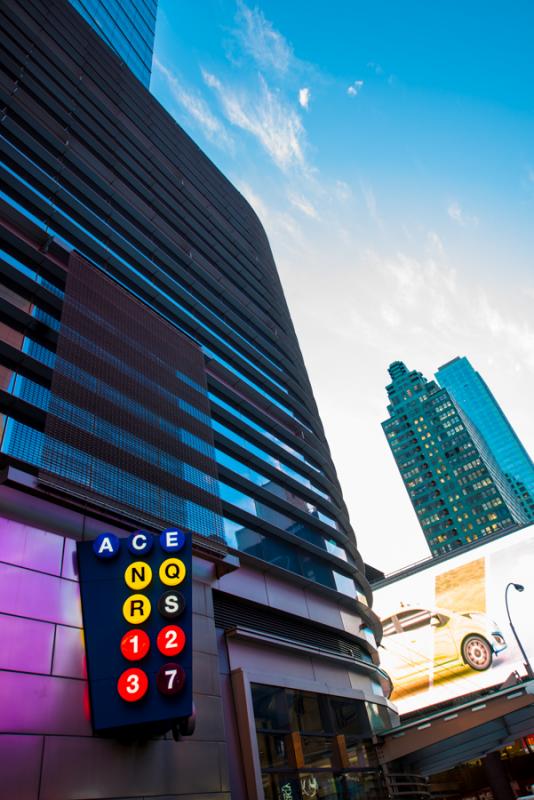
(343, 191)
(421, 283)
(276, 126)
(390, 315)
(354, 88)
(370, 202)
(303, 204)
(377, 68)
(435, 242)
(304, 97)
(457, 214)
(262, 41)
(517, 335)
(196, 107)
(254, 199)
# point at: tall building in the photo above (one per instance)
(472, 394)
(150, 376)
(456, 487)
(128, 27)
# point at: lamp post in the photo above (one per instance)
(520, 588)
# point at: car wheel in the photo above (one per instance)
(477, 653)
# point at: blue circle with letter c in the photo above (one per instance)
(140, 542)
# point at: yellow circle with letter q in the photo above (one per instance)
(138, 575)
(172, 571)
(136, 609)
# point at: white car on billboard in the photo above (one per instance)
(421, 643)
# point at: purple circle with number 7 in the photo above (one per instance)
(170, 678)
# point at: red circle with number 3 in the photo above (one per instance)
(132, 684)
(135, 644)
(171, 640)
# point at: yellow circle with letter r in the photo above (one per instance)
(138, 575)
(136, 609)
(172, 571)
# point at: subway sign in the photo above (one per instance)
(136, 605)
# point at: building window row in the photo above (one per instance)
(275, 488)
(173, 300)
(285, 555)
(260, 429)
(249, 445)
(258, 508)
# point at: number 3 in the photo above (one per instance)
(132, 682)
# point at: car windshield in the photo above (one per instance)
(414, 618)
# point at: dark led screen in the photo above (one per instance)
(128, 422)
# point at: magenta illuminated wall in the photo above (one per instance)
(47, 750)
(42, 686)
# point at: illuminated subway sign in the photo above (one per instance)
(136, 604)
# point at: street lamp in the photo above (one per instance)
(520, 588)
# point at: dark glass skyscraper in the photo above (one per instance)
(471, 393)
(151, 376)
(128, 26)
(457, 490)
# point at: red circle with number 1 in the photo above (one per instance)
(132, 684)
(135, 644)
(171, 640)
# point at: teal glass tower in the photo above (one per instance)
(472, 394)
(128, 27)
(455, 485)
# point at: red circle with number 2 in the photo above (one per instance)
(171, 640)
(135, 644)
(132, 684)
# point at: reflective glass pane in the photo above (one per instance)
(305, 712)
(378, 717)
(317, 751)
(273, 750)
(270, 707)
(319, 786)
(349, 717)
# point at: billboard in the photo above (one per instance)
(446, 630)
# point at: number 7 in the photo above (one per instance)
(171, 673)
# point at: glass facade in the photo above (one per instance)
(471, 393)
(315, 745)
(128, 27)
(187, 249)
(457, 490)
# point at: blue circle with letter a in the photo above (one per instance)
(172, 540)
(106, 545)
(140, 542)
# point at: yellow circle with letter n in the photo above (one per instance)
(172, 571)
(138, 575)
(136, 609)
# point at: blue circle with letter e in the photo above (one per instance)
(172, 540)
(140, 542)
(106, 545)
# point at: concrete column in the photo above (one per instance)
(497, 777)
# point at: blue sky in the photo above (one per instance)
(388, 149)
